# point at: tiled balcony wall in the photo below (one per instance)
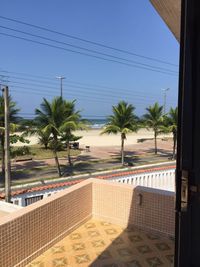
(147, 208)
(30, 231)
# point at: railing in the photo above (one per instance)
(164, 179)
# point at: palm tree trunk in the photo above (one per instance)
(57, 162)
(122, 150)
(55, 155)
(174, 146)
(68, 154)
(155, 141)
(3, 158)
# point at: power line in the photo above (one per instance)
(75, 94)
(86, 54)
(81, 98)
(80, 93)
(92, 87)
(27, 74)
(89, 50)
(86, 90)
(105, 94)
(69, 82)
(87, 41)
(71, 86)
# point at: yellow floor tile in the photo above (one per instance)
(98, 243)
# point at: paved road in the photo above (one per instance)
(107, 157)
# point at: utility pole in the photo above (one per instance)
(7, 145)
(61, 78)
(165, 100)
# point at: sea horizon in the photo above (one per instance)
(96, 123)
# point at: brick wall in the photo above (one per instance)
(148, 208)
(27, 233)
(156, 212)
(112, 201)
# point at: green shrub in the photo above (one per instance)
(20, 151)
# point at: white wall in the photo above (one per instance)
(20, 199)
(164, 179)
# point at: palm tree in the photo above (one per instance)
(171, 122)
(14, 120)
(72, 123)
(44, 138)
(153, 119)
(31, 127)
(122, 121)
(49, 119)
(57, 120)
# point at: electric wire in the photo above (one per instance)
(87, 41)
(89, 50)
(74, 96)
(85, 90)
(92, 87)
(86, 54)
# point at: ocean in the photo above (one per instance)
(97, 123)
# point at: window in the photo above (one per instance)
(16, 201)
(32, 200)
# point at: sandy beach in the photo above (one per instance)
(93, 138)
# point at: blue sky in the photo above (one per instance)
(131, 25)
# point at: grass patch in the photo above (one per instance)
(37, 152)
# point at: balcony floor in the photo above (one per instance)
(97, 243)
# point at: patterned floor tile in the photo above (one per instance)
(84, 258)
(60, 262)
(134, 263)
(135, 238)
(90, 225)
(104, 255)
(170, 258)
(154, 262)
(57, 249)
(117, 241)
(98, 243)
(74, 236)
(78, 246)
(113, 265)
(144, 249)
(105, 223)
(124, 252)
(36, 264)
(93, 233)
(162, 246)
(152, 237)
(111, 231)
